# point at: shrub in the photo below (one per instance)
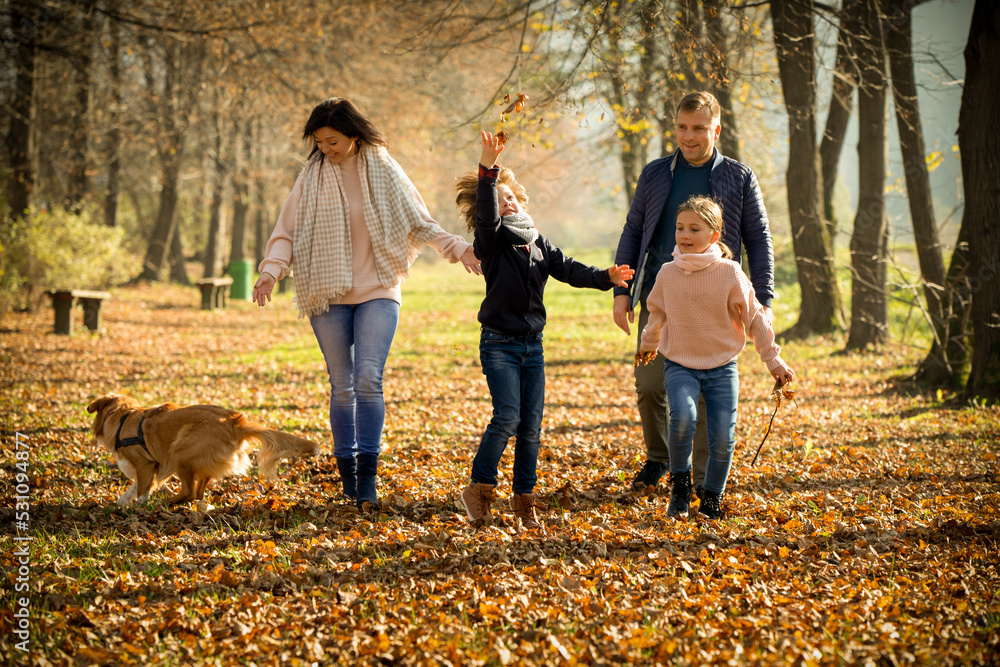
(58, 250)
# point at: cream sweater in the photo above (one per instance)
(701, 319)
(366, 285)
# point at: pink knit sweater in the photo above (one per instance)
(278, 254)
(701, 319)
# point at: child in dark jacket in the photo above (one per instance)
(516, 262)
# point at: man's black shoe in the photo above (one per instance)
(650, 474)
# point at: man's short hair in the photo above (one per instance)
(699, 100)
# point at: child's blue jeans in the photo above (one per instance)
(515, 373)
(721, 388)
(355, 340)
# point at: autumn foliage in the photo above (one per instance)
(866, 533)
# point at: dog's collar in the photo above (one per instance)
(137, 440)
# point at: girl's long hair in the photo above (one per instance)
(466, 185)
(709, 210)
(341, 114)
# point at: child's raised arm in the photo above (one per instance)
(492, 147)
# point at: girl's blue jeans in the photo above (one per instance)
(721, 389)
(355, 341)
(515, 373)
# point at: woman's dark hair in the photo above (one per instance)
(341, 114)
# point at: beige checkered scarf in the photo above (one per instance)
(322, 242)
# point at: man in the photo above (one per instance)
(647, 241)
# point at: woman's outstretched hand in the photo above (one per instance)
(620, 275)
(471, 262)
(262, 290)
(491, 149)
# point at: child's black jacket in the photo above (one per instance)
(516, 276)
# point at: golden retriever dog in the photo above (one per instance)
(198, 444)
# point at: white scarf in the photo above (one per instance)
(321, 247)
(520, 225)
(690, 261)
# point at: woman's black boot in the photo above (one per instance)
(680, 495)
(348, 467)
(367, 472)
(711, 504)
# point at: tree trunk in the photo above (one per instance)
(684, 40)
(113, 155)
(911, 140)
(241, 193)
(979, 142)
(177, 102)
(158, 252)
(212, 268)
(25, 26)
(260, 198)
(81, 114)
(841, 103)
(178, 266)
(869, 241)
(729, 140)
(947, 363)
(162, 238)
(794, 42)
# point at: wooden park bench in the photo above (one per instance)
(214, 291)
(63, 302)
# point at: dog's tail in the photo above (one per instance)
(275, 446)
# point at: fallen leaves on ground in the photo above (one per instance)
(867, 532)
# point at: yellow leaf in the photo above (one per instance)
(934, 160)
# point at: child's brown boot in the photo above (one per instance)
(524, 505)
(477, 499)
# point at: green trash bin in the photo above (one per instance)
(241, 273)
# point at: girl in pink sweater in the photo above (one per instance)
(701, 310)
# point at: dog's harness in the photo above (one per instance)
(127, 442)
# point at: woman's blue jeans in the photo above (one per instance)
(721, 389)
(515, 373)
(355, 341)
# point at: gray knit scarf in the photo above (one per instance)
(322, 243)
(520, 225)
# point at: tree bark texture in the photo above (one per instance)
(170, 148)
(979, 142)
(625, 79)
(729, 140)
(178, 266)
(898, 35)
(687, 41)
(113, 154)
(161, 240)
(845, 79)
(870, 238)
(211, 261)
(86, 42)
(794, 42)
(241, 192)
(26, 24)
(947, 362)
(176, 103)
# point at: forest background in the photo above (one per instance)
(176, 127)
(149, 144)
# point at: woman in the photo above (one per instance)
(352, 224)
